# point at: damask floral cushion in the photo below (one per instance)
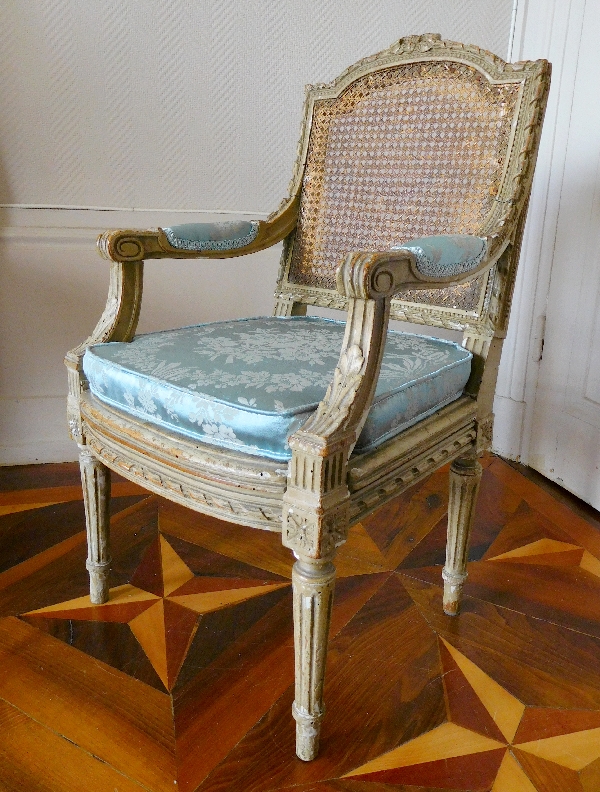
(248, 384)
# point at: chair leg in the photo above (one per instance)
(465, 476)
(313, 583)
(95, 478)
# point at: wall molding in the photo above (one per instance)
(15, 216)
(64, 207)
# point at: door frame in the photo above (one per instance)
(549, 29)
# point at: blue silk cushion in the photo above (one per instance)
(248, 384)
(446, 254)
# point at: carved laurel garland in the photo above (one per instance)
(334, 408)
(388, 483)
(363, 501)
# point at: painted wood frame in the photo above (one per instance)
(325, 488)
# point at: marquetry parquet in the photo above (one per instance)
(184, 678)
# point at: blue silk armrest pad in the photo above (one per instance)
(248, 384)
(444, 255)
(212, 236)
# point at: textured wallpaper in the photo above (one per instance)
(185, 104)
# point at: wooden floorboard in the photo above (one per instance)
(36, 759)
(184, 678)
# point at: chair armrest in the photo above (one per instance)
(369, 280)
(446, 256)
(199, 240)
(426, 263)
(316, 502)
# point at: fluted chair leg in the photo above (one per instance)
(95, 478)
(465, 476)
(313, 583)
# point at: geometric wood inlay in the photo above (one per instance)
(186, 673)
(511, 777)
(575, 750)
(445, 742)
(505, 710)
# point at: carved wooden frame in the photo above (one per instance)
(500, 224)
(325, 488)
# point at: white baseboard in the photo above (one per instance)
(34, 431)
(508, 427)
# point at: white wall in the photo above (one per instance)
(145, 113)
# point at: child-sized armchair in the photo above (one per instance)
(408, 201)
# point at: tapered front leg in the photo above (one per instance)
(313, 582)
(465, 476)
(95, 478)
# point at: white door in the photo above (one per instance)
(561, 393)
(565, 435)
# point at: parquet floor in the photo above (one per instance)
(183, 680)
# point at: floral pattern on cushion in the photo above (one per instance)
(248, 384)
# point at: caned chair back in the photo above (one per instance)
(429, 137)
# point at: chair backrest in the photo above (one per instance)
(428, 137)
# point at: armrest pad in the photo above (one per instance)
(200, 240)
(212, 236)
(430, 262)
(446, 255)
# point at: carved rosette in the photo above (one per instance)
(74, 420)
(314, 535)
(485, 433)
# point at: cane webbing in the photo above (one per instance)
(409, 151)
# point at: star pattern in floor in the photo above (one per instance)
(161, 606)
(490, 739)
(185, 676)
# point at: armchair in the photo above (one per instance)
(408, 201)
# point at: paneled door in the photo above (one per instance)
(564, 441)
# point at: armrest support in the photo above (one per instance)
(369, 280)
(315, 515)
(127, 249)
(204, 240)
(117, 323)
